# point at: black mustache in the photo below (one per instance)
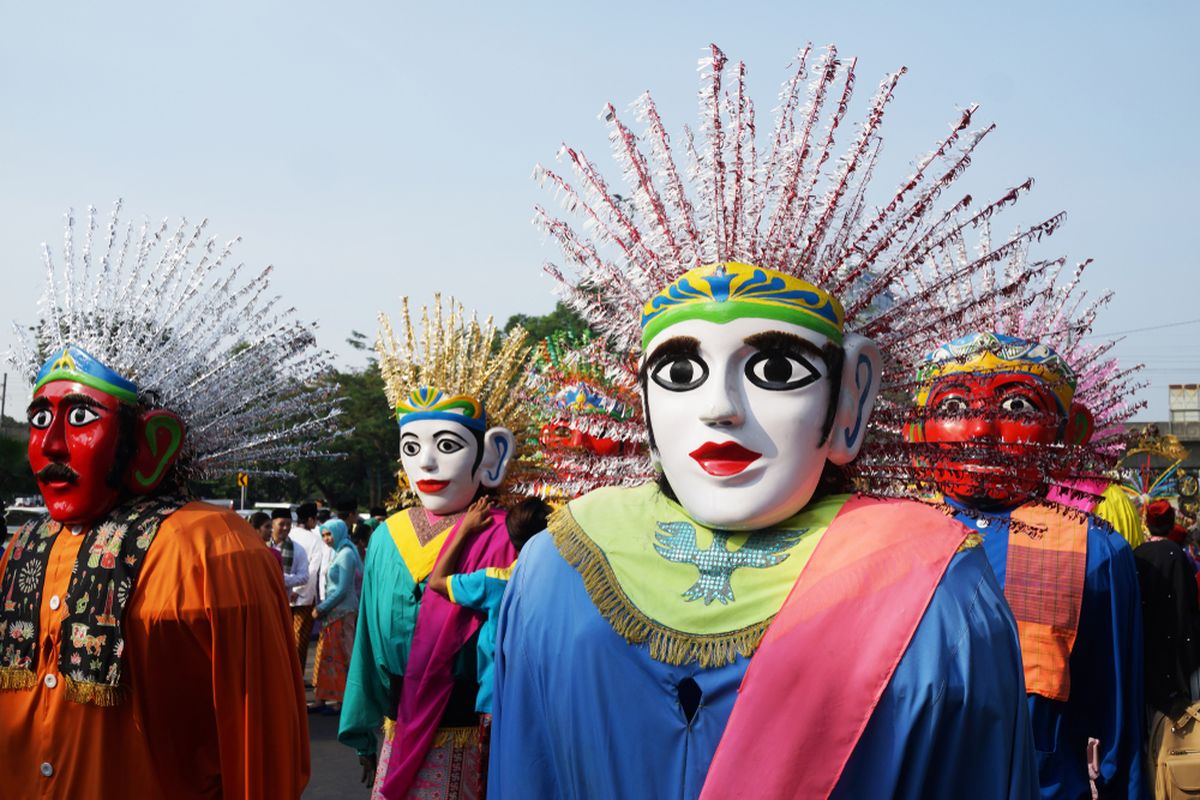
(56, 471)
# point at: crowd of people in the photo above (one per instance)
(825, 508)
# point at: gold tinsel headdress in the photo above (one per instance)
(454, 370)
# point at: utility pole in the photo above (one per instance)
(3, 397)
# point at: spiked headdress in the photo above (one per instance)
(156, 317)
(784, 226)
(459, 369)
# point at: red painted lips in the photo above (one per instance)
(431, 487)
(724, 459)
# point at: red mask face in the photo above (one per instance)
(987, 430)
(74, 431)
(559, 436)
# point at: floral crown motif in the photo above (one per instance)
(76, 364)
(155, 314)
(722, 292)
(425, 402)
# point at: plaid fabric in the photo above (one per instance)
(1046, 567)
(288, 550)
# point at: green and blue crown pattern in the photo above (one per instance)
(427, 402)
(732, 290)
(76, 364)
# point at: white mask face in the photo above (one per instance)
(439, 460)
(737, 411)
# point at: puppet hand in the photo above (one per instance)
(368, 764)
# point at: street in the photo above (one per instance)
(335, 769)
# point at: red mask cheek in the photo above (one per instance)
(90, 451)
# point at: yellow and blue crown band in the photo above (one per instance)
(426, 402)
(76, 364)
(731, 290)
(983, 353)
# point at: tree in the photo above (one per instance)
(561, 318)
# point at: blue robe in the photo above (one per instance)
(1106, 671)
(580, 713)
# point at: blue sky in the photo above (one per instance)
(371, 150)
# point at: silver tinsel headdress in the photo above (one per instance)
(162, 307)
(793, 201)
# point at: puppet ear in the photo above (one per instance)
(159, 438)
(499, 446)
(861, 374)
(1080, 425)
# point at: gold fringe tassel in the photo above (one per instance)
(14, 678)
(460, 737)
(98, 694)
(665, 644)
(389, 729)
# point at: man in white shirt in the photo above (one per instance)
(306, 536)
(295, 558)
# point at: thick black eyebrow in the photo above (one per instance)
(77, 399)
(38, 404)
(449, 433)
(676, 346)
(784, 342)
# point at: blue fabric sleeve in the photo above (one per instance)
(952, 722)
(337, 582)
(1114, 625)
(521, 755)
(470, 589)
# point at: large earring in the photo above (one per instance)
(860, 384)
(159, 440)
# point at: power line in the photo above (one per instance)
(1140, 330)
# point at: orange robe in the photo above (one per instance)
(216, 701)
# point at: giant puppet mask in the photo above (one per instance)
(995, 412)
(455, 401)
(448, 452)
(91, 441)
(750, 387)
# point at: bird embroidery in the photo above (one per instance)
(676, 541)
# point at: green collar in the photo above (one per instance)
(689, 592)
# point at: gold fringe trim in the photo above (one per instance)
(666, 645)
(460, 737)
(98, 694)
(972, 540)
(15, 678)
(389, 729)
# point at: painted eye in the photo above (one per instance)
(1019, 404)
(81, 415)
(41, 419)
(448, 445)
(680, 374)
(952, 407)
(410, 447)
(778, 372)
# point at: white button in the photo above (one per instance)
(981, 523)
(50, 680)
(47, 770)
(76, 530)
(55, 602)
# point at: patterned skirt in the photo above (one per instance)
(333, 658)
(455, 767)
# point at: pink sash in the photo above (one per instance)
(442, 630)
(826, 659)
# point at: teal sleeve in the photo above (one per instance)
(470, 589)
(387, 615)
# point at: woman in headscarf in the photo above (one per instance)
(339, 613)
